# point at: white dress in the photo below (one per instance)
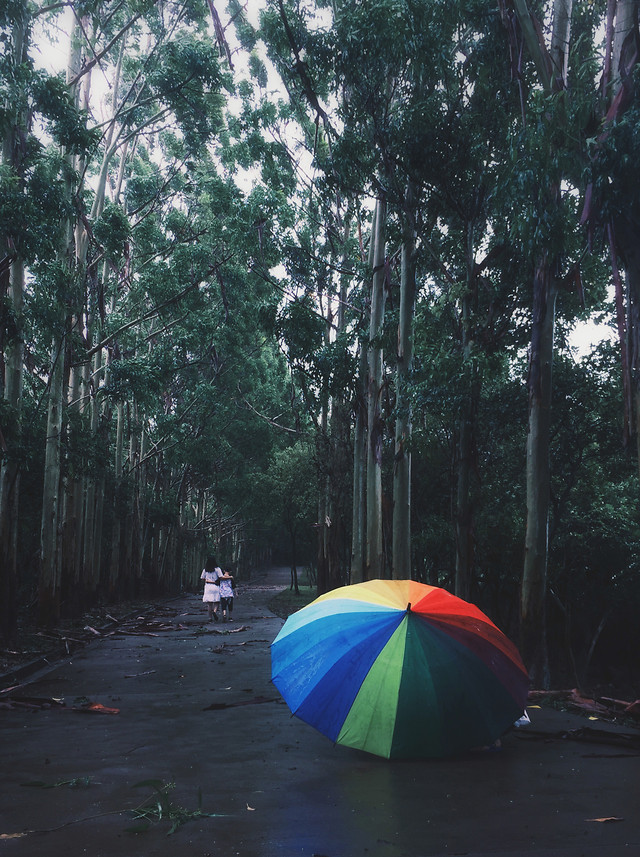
(211, 590)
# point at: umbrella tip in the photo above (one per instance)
(409, 607)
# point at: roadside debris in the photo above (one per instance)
(587, 734)
(257, 700)
(602, 707)
(37, 703)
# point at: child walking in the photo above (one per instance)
(226, 596)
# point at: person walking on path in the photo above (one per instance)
(226, 596)
(211, 575)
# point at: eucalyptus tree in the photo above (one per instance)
(98, 34)
(318, 259)
(558, 117)
(424, 120)
(34, 199)
(389, 133)
(470, 259)
(611, 211)
(150, 233)
(323, 82)
(14, 104)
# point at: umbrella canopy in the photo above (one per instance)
(399, 669)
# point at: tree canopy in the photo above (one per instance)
(286, 282)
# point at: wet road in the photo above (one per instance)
(197, 727)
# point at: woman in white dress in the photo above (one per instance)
(211, 574)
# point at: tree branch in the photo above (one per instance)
(265, 418)
(150, 314)
(97, 57)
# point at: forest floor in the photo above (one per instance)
(164, 736)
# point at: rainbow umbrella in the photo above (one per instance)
(399, 669)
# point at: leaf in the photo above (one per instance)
(606, 819)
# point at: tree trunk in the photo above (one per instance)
(11, 360)
(465, 448)
(464, 504)
(324, 488)
(551, 66)
(116, 536)
(375, 557)
(533, 588)
(10, 468)
(49, 583)
(358, 518)
(626, 226)
(628, 245)
(358, 568)
(401, 539)
(50, 548)
(560, 40)
(626, 23)
(72, 504)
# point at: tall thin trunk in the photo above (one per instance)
(49, 582)
(359, 501)
(133, 524)
(464, 512)
(10, 469)
(72, 500)
(560, 38)
(358, 535)
(322, 447)
(116, 535)
(626, 24)
(90, 520)
(50, 550)
(626, 224)
(534, 577)
(11, 356)
(551, 65)
(375, 557)
(401, 566)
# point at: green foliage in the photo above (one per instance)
(285, 499)
(258, 70)
(188, 80)
(615, 181)
(13, 12)
(67, 125)
(302, 330)
(112, 231)
(132, 377)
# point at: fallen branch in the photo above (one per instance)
(585, 734)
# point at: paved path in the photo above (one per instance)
(196, 709)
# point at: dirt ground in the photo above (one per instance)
(166, 737)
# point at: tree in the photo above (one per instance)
(16, 34)
(549, 272)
